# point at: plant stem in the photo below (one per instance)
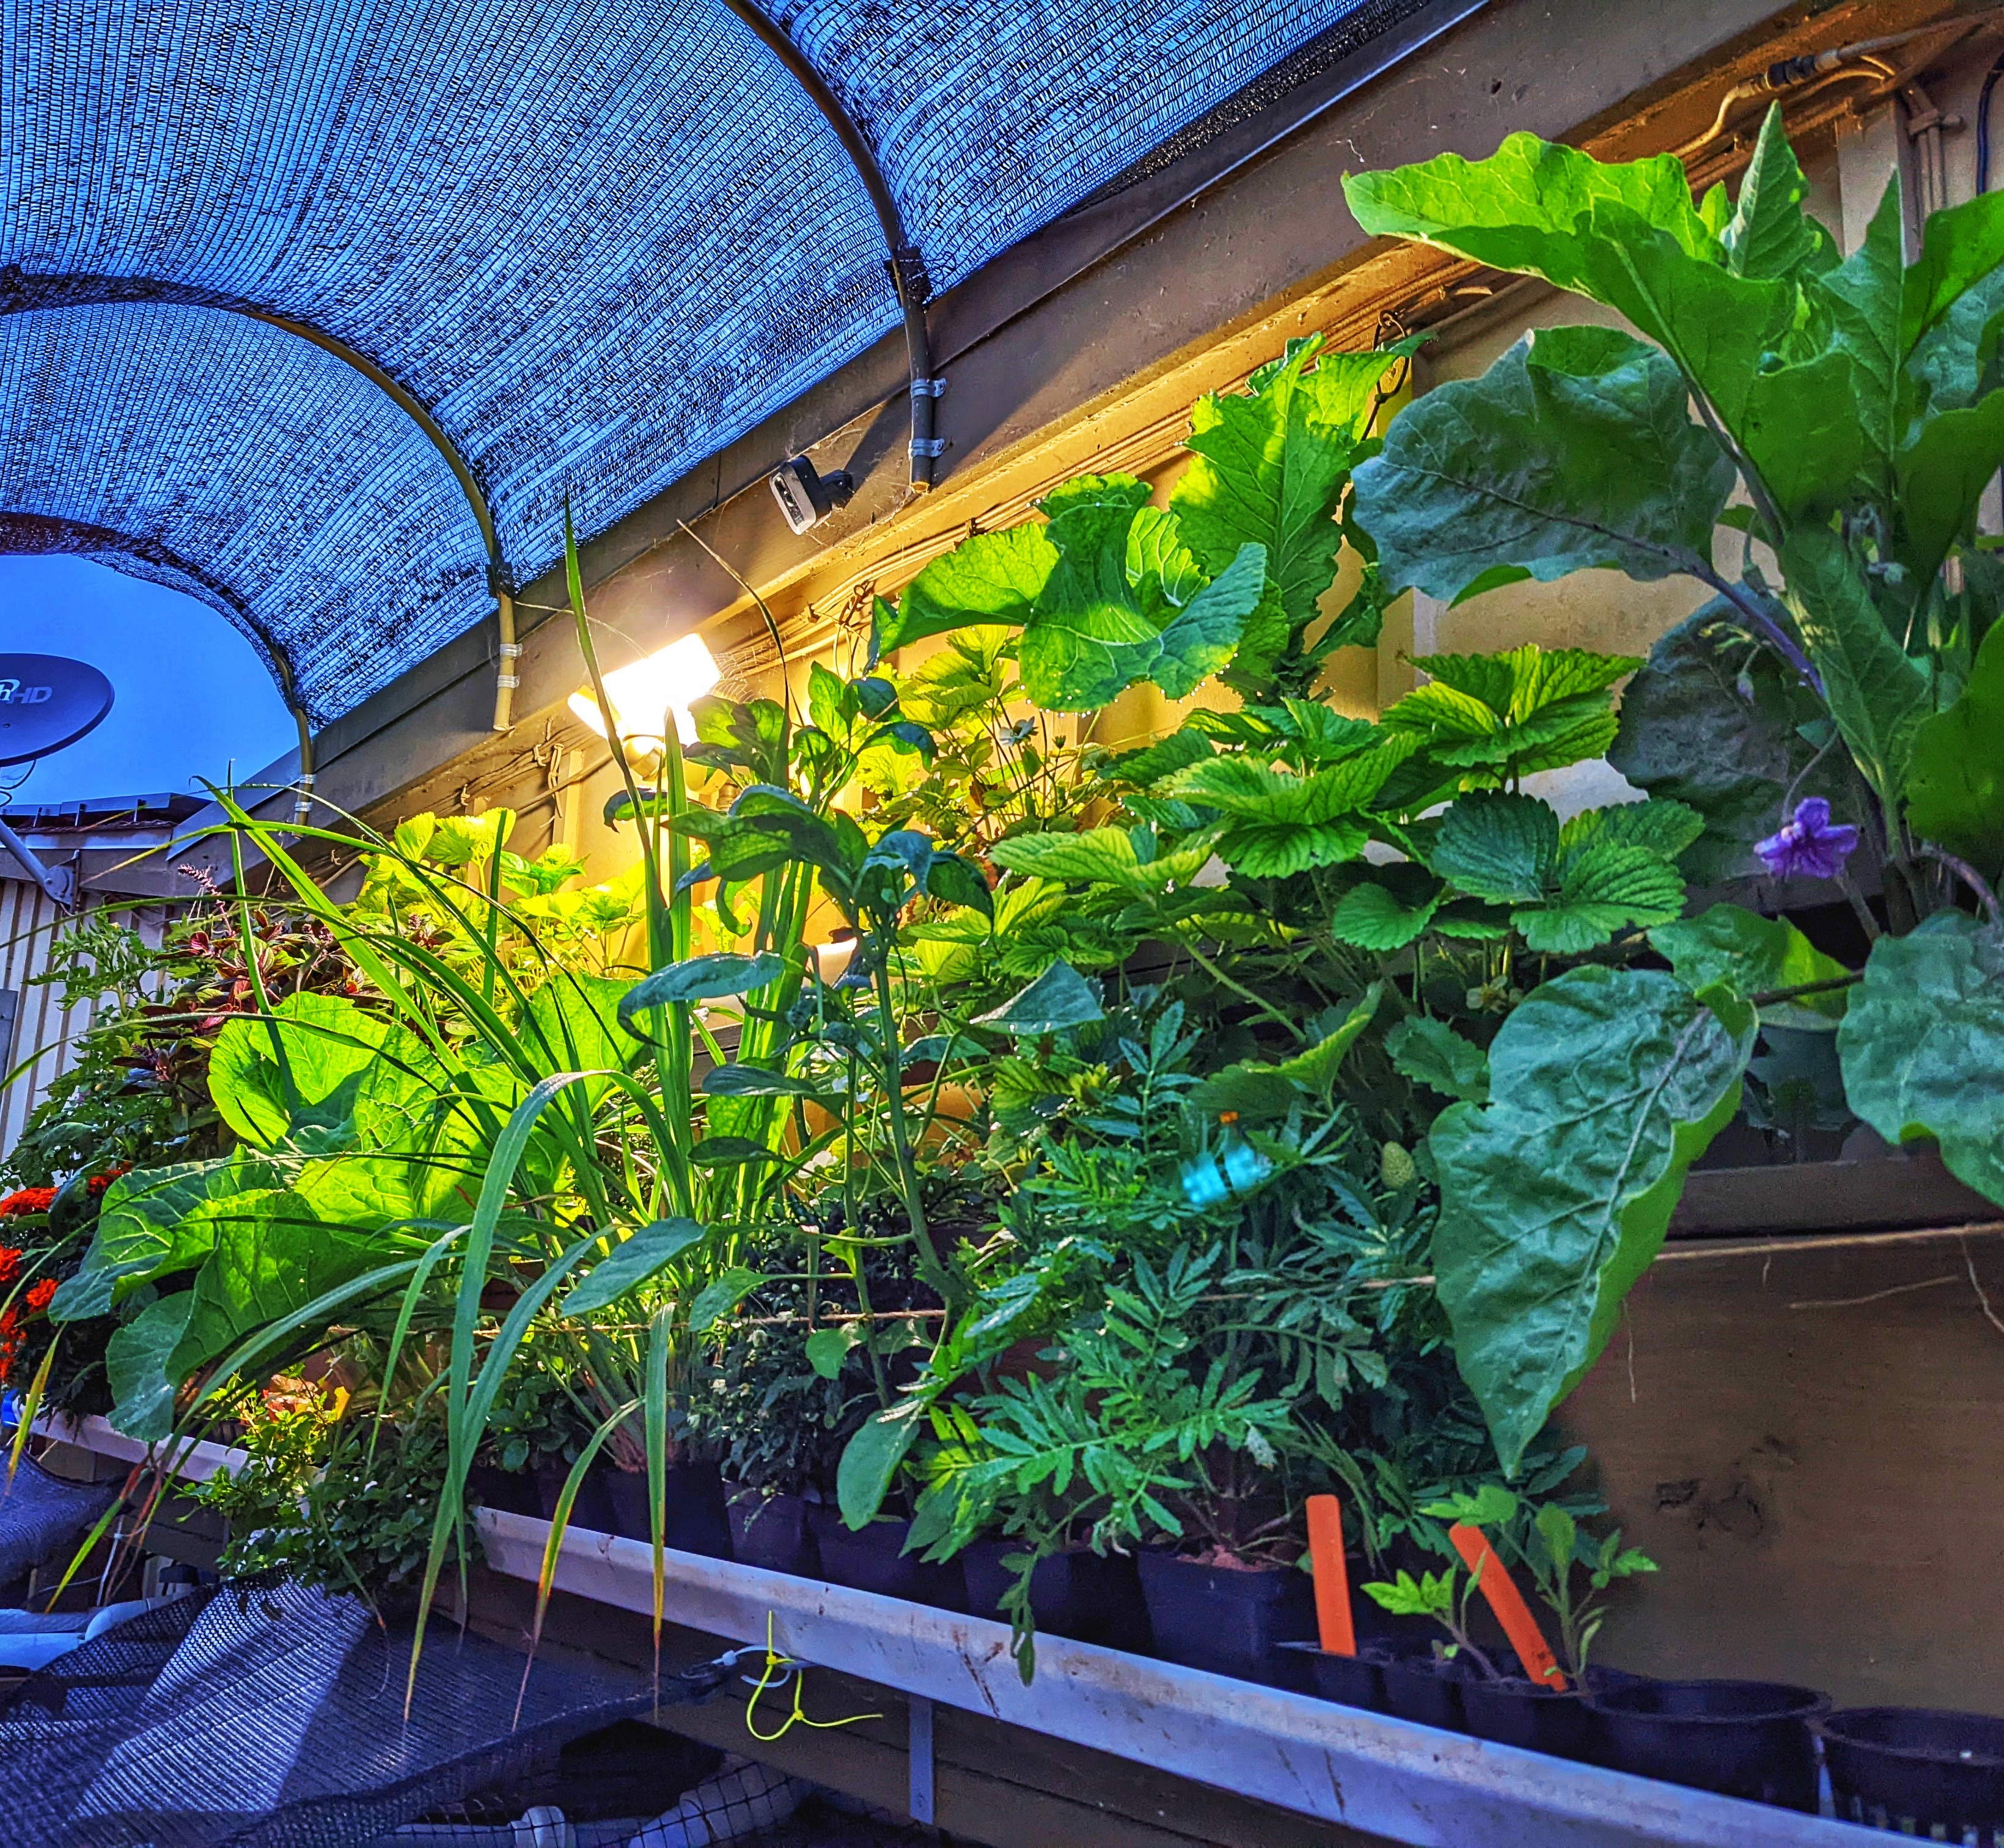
(929, 1267)
(1777, 638)
(1968, 874)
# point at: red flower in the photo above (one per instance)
(39, 1293)
(10, 1344)
(99, 1182)
(29, 1200)
(10, 1264)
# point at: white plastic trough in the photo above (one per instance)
(1385, 1776)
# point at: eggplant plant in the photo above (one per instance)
(1834, 422)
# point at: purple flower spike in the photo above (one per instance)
(1809, 847)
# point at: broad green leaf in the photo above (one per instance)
(147, 1227)
(1729, 946)
(1603, 888)
(1388, 911)
(1204, 634)
(827, 1349)
(1955, 786)
(1863, 297)
(1530, 709)
(1877, 693)
(756, 1081)
(1922, 1044)
(992, 578)
(1664, 828)
(1942, 474)
(632, 1262)
(1058, 999)
(1251, 1089)
(1497, 846)
(1606, 1085)
(136, 1368)
(1770, 234)
(1099, 856)
(700, 979)
(871, 1460)
(273, 1255)
(1626, 234)
(1283, 849)
(717, 1298)
(1713, 721)
(1431, 1053)
(572, 1023)
(289, 1082)
(1269, 468)
(1575, 449)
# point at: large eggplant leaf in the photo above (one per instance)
(273, 1255)
(1877, 694)
(1922, 1044)
(572, 1023)
(1955, 784)
(1626, 234)
(1714, 720)
(149, 1226)
(1606, 1085)
(1576, 448)
(1942, 474)
(137, 1369)
(1729, 946)
(1769, 234)
(289, 1082)
(991, 577)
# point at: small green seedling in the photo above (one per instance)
(1444, 1597)
(1551, 1548)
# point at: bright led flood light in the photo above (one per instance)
(670, 680)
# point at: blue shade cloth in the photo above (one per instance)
(598, 238)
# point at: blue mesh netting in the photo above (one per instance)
(599, 239)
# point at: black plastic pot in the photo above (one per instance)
(1422, 1688)
(772, 1531)
(593, 1509)
(1748, 1739)
(512, 1491)
(1354, 1681)
(1086, 1596)
(1517, 1712)
(873, 1560)
(1917, 1768)
(1229, 1620)
(693, 1516)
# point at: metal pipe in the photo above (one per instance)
(1790, 73)
(907, 264)
(40, 874)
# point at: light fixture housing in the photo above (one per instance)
(806, 496)
(642, 695)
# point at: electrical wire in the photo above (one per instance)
(1983, 124)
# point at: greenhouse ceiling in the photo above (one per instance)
(272, 269)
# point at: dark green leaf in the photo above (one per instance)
(700, 979)
(1955, 787)
(1431, 1053)
(1058, 999)
(136, 1368)
(1922, 1044)
(1729, 946)
(1576, 448)
(632, 1261)
(1607, 1085)
(717, 1298)
(871, 1462)
(1497, 846)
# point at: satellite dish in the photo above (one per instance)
(46, 703)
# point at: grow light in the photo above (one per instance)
(671, 680)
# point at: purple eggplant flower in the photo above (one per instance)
(1810, 846)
